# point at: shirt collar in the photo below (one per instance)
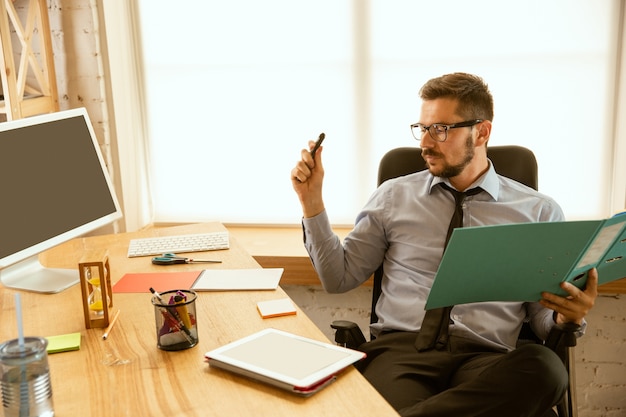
(488, 182)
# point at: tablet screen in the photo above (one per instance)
(286, 357)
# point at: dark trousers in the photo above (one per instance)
(465, 380)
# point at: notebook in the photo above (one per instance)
(294, 363)
(238, 279)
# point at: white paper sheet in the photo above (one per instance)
(238, 279)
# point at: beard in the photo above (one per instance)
(450, 171)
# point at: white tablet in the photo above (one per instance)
(295, 363)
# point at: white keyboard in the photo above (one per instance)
(180, 243)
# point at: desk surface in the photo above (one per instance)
(127, 375)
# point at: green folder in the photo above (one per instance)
(516, 262)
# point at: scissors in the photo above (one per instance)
(172, 258)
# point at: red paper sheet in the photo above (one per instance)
(160, 281)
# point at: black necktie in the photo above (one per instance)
(434, 330)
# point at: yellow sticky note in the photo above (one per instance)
(63, 342)
(276, 308)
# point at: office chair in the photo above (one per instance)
(514, 162)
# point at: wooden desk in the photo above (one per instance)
(127, 375)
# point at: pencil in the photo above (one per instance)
(108, 329)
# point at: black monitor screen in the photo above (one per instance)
(49, 182)
(53, 184)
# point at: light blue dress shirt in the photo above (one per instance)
(403, 226)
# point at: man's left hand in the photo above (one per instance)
(575, 306)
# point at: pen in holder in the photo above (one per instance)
(175, 316)
(95, 284)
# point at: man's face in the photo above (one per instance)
(446, 159)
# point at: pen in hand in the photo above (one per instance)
(318, 143)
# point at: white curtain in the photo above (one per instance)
(235, 89)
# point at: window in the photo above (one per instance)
(235, 89)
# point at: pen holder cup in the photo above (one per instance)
(175, 316)
(25, 378)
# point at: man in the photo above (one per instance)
(477, 371)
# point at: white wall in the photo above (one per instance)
(244, 97)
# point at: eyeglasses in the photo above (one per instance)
(439, 131)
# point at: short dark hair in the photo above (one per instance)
(471, 92)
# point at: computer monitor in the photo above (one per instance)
(54, 186)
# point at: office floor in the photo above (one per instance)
(323, 308)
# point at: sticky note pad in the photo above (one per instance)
(63, 342)
(276, 308)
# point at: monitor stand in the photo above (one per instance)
(30, 275)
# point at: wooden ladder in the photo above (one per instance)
(28, 77)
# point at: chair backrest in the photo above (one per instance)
(515, 162)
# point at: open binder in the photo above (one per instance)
(516, 262)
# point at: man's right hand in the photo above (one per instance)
(307, 178)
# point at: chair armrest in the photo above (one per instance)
(561, 337)
(348, 334)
